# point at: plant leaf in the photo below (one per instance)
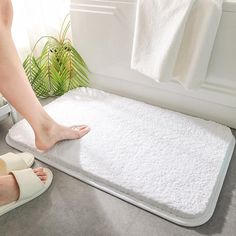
(58, 69)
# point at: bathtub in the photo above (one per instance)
(7, 110)
(102, 31)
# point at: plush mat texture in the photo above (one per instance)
(168, 163)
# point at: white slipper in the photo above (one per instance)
(11, 161)
(30, 187)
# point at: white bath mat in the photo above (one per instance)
(170, 164)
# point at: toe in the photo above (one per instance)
(79, 127)
(38, 169)
(83, 132)
(41, 174)
(43, 178)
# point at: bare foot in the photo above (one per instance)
(9, 190)
(52, 133)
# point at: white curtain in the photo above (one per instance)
(35, 18)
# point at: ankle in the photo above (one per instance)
(45, 134)
(44, 126)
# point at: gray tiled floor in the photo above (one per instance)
(71, 207)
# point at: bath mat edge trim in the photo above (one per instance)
(193, 222)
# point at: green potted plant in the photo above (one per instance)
(59, 67)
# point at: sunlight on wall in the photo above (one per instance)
(35, 18)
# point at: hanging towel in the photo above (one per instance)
(174, 39)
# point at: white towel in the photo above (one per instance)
(174, 38)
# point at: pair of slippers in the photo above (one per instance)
(30, 186)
